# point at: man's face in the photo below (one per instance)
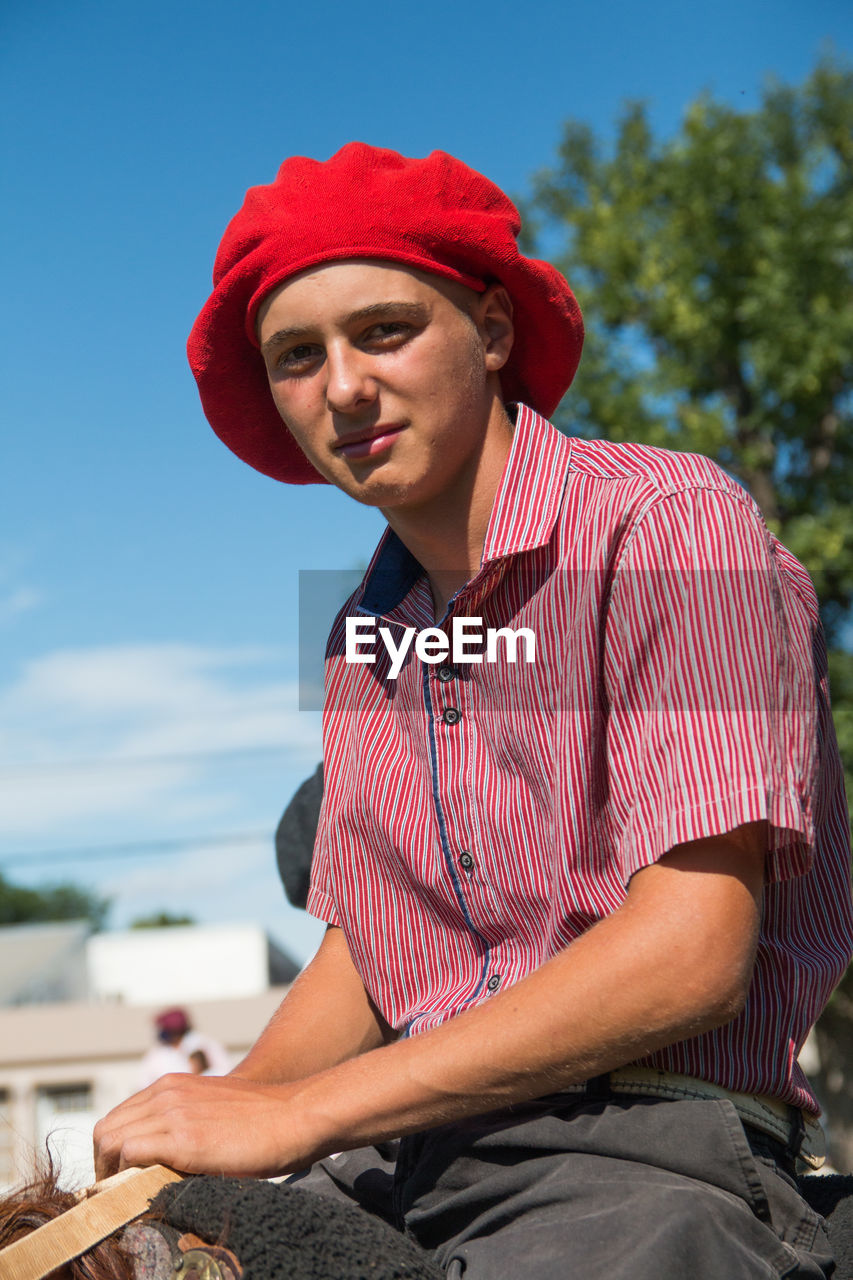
(387, 378)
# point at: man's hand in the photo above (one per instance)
(203, 1124)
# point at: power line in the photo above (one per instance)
(147, 762)
(135, 848)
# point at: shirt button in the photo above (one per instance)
(451, 716)
(494, 982)
(466, 861)
(445, 674)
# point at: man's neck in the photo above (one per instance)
(447, 537)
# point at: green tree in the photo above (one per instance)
(160, 920)
(715, 272)
(22, 905)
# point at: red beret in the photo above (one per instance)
(434, 214)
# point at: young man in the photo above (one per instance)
(583, 908)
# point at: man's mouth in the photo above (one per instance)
(371, 441)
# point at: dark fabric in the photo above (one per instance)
(294, 838)
(831, 1196)
(639, 1189)
(280, 1233)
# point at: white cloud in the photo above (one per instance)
(133, 732)
(17, 597)
(216, 883)
(196, 876)
(21, 600)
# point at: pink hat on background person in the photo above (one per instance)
(173, 1021)
(433, 214)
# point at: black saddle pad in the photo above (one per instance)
(282, 1233)
(832, 1197)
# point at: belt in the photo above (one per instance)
(797, 1130)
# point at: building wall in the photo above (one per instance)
(177, 964)
(63, 1066)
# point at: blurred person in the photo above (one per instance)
(580, 917)
(199, 1064)
(206, 1055)
(167, 1055)
(176, 1043)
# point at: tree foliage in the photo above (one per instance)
(715, 270)
(161, 920)
(23, 905)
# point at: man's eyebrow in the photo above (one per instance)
(416, 311)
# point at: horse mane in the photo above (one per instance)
(42, 1200)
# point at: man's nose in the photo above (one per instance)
(350, 382)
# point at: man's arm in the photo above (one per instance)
(325, 1018)
(675, 960)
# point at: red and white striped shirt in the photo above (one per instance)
(478, 817)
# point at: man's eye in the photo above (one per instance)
(387, 330)
(297, 357)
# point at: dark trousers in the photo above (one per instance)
(569, 1188)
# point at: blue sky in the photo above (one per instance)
(148, 580)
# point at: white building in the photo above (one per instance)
(76, 1018)
(185, 962)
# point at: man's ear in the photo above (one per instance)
(493, 317)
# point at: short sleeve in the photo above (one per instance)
(320, 902)
(708, 684)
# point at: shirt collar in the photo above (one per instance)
(525, 509)
(531, 488)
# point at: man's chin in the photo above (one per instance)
(371, 483)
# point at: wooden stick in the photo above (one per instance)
(102, 1209)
